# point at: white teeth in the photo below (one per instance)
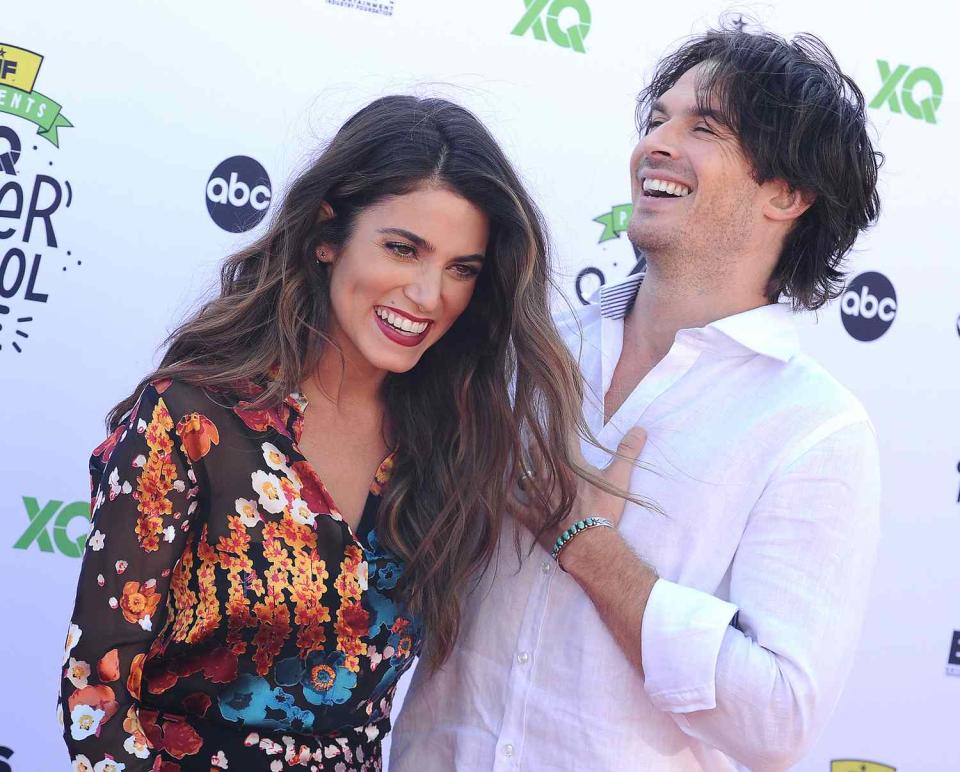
(670, 188)
(401, 323)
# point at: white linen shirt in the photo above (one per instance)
(767, 473)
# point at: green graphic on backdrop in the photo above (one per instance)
(569, 37)
(907, 80)
(38, 531)
(614, 222)
(18, 73)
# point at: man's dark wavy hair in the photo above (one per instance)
(798, 118)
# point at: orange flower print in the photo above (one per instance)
(99, 698)
(108, 668)
(384, 473)
(197, 433)
(135, 678)
(354, 621)
(139, 602)
(157, 478)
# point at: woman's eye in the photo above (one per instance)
(464, 271)
(401, 249)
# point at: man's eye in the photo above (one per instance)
(400, 249)
(651, 125)
(704, 129)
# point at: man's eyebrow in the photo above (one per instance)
(422, 243)
(700, 111)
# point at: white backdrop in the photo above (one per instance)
(155, 96)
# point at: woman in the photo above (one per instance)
(289, 505)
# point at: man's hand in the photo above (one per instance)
(590, 500)
(599, 560)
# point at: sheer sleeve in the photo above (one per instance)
(144, 493)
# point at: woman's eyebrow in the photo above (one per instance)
(404, 233)
(422, 243)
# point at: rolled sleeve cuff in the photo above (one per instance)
(680, 639)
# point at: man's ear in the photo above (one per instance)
(785, 203)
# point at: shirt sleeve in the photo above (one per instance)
(144, 495)
(762, 690)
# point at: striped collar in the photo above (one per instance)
(616, 299)
(768, 330)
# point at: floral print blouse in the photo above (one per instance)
(226, 616)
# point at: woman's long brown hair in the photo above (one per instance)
(501, 380)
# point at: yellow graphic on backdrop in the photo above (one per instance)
(19, 67)
(18, 74)
(851, 765)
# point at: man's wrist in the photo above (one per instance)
(591, 551)
(585, 549)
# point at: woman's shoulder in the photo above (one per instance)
(182, 403)
(179, 397)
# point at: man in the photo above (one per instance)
(717, 633)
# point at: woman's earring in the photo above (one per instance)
(321, 256)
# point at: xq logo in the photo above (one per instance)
(920, 103)
(571, 36)
(38, 530)
(869, 306)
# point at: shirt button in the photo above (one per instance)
(545, 567)
(508, 750)
(523, 658)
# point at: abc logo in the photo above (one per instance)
(238, 194)
(869, 306)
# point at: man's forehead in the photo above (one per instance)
(688, 95)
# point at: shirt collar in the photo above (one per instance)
(768, 330)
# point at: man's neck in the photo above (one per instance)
(667, 304)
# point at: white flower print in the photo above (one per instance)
(96, 541)
(219, 761)
(109, 764)
(275, 459)
(136, 747)
(78, 672)
(81, 764)
(249, 514)
(363, 575)
(85, 721)
(114, 482)
(73, 637)
(267, 485)
(146, 623)
(169, 533)
(301, 513)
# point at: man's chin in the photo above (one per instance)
(646, 239)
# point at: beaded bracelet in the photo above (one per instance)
(578, 527)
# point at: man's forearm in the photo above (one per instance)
(616, 580)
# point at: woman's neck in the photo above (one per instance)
(348, 385)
